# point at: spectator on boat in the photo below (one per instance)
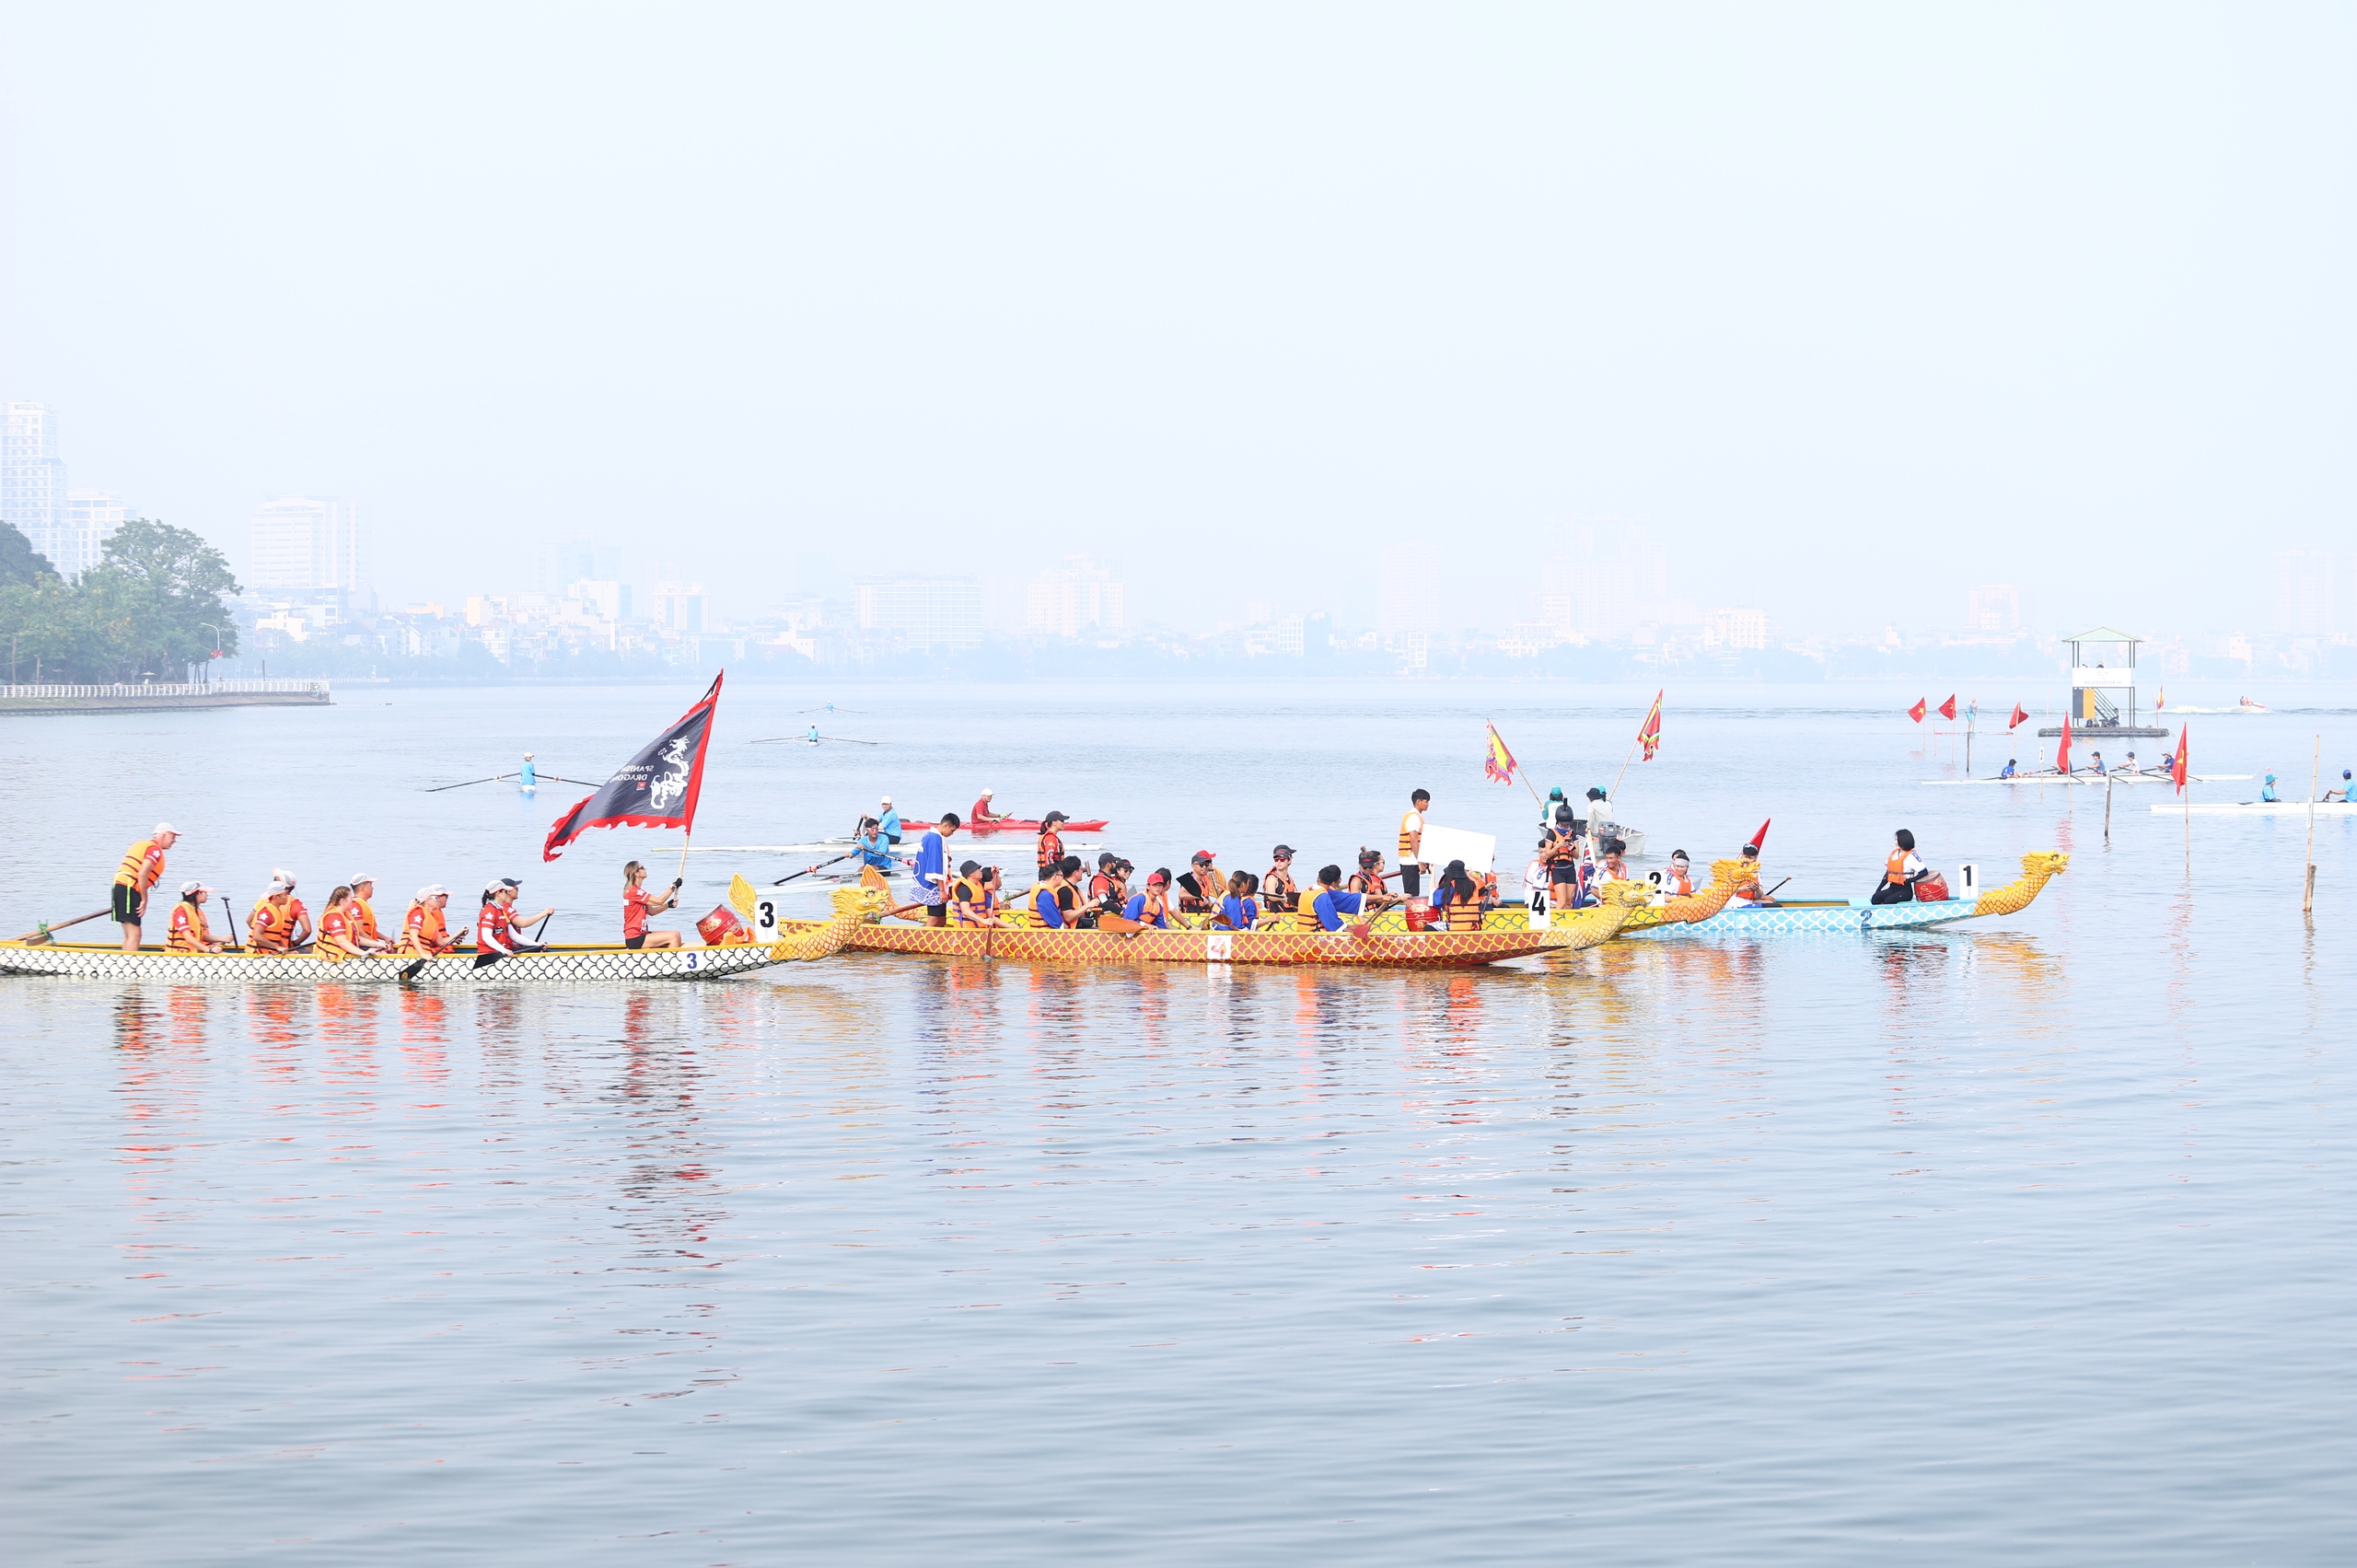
(1457, 899)
(2009, 770)
(1280, 896)
(188, 932)
(1333, 901)
(933, 869)
(1412, 864)
(1239, 910)
(1153, 906)
(143, 864)
(1561, 854)
(423, 933)
(638, 904)
(1901, 872)
(888, 821)
(2267, 790)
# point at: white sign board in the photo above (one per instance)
(1478, 851)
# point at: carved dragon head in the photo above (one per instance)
(1731, 871)
(1631, 894)
(2045, 862)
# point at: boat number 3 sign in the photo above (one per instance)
(765, 922)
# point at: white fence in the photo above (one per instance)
(201, 689)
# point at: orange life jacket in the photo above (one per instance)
(188, 934)
(423, 932)
(1895, 869)
(273, 927)
(1410, 837)
(1278, 893)
(1051, 850)
(1675, 884)
(363, 920)
(135, 870)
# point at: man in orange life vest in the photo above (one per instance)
(143, 865)
(1411, 844)
(271, 923)
(360, 917)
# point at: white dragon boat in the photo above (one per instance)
(556, 965)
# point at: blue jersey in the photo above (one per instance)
(932, 861)
(1135, 910)
(1332, 904)
(1241, 915)
(874, 852)
(1051, 911)
(531, 779)
(892, 824)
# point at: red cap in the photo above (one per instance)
(1205, 854)
(1157, 881)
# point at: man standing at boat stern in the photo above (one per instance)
(933, 869)
(143, 865)
(1411, 844)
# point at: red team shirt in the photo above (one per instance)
(635, 903)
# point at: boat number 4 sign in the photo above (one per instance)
(1219, 947)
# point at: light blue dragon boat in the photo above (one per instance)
(1829, 917)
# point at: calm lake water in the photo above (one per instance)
(2034, 1241)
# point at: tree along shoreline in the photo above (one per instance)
(154, 605)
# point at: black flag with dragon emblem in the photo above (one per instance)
(657, 788)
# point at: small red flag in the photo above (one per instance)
(1916, 713)
(2063, 752)
(2014, 723)
(1649, 732)
(1761, 836)
(2177, 769)
(1948, 709)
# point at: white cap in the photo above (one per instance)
(527, 756)
(163, 827)
(188, 887)
(279, 874)
(496, 883)
(986, 794)
(277, 887)
(432, 890)
(888, 800)
(356, 881)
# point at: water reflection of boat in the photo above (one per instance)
(556, 965)
(2261, 809)
(1431, 949)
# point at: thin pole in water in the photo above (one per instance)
(2106, 809)
(2315, 777)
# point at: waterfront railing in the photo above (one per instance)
(175, 689)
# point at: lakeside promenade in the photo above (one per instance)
(125, 697)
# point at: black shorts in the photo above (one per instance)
(129, 904)
(1412, 880)
(639, 941)
(1560, 874)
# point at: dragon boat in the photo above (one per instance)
(1826, 916)
(562, 964)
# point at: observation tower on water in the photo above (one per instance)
(2103, 687)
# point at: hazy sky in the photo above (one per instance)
(1854, 306)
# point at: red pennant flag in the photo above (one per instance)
(1761, 836)
(2177, 769)
(1500, 763)
(657, 788)
(2014, 723)
(1948, 709)
(1916, 713)
(2063, 752)
(1649, 732)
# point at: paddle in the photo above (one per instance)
(498, 778)
(230, 925)
(839, 739)
(783, 880)
(35, 938)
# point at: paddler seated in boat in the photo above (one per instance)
(875, 853)
(1050, 849)
(887, 821)
(638, 904)
(982, 812)
(2267, 790)
(1747, 888)
(496, 928)
(361, 914)
(2009, 770)
(335, 928)
(1615, 865)
(1901, 871)
(1370, 876)
(301, 934)
(271, 928)
(2095, 764)
(1202, 887)
(143, 863)
(188, 932)
(1153, 906)
(1278, 894)
(2343, 791)
(425, 931)
(973, 898)
(1054, 898)
(1457, 899)
(1109, 889)
(1679, 882)
(1333, 900)
(1239, 910)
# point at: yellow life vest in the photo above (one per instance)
(1408, 837)
(135, 861)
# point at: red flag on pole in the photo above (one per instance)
(1917, 711)
(657, 788)
(2178, 768)
(1499, 763)
(2063, 752)
(1761, 836)
(2014, 723)
(1948, 709)
(1649, 732)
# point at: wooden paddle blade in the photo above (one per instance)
(742, 898)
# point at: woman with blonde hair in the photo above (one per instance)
(638, 903)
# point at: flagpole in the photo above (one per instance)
(2315, 777)
(1493, 728)
(1632, 747)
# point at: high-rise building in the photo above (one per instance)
(677, 606)
(935, 615)
(1993, 607)
(1080, 596)
(1598, 594)
(32, 480)
(1742, 630)
(305, 544)
(2306, 604)
(91, 517)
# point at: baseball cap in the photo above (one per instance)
(1108, 858)
(498, 882)
(432, 890)
(888, 800)
(188, 887)
(356, 881)
(1204, 857)
(1157, 881)
(163, 827)
(1053, 817)
(1282, 851)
